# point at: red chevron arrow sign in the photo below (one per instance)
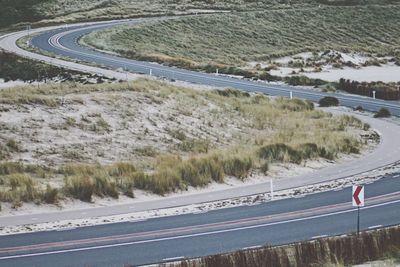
(358, 196)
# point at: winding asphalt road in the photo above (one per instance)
(218, 231)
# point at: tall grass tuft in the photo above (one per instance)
(238, 166)
(80, 187)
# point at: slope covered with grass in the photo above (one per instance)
(237, 38)
(68, 11)
(79, 141)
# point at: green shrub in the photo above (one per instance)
(308, 151)
(238, 166)
(229, 92)
(103, 186)
(359, 108)
(383, 113)
(194, 145)
(80, 187)
(51, 195)
(121, 169)
(163, 181)
(22, 189)
(279, 153)
(11, 167)
(201, 171)
(328, 101)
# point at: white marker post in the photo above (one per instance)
(216, 72)
(358, 201)
(291, 94)
(151, 72)
(28, 29)
(374, 94)
(271, 189)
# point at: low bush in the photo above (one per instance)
(80, 187)
(328, 101)
(238, 166)
(383, 113)
(232, 93)
(51, 195)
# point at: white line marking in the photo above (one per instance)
(252, 247)
(58, 45)
(66, 229)
(174, 258)
(318, 236)
(396, 176)
(194, 235)
(375, 226)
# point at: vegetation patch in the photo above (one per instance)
(328, 101)
(382, 113)
(257, 36)
(123, 137)
(386, 91)
(344, 250)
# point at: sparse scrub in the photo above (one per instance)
(262, 130)
(51, 195)
(297, 29)
(238, 166)
(232, 92)
(20, 188)
(80, 187)
(344, 250)
(147, 151)
(382, 113)
(194, 145)
(328, 101)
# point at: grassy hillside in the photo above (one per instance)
(61, 11)
(237, 38)
(107, 140)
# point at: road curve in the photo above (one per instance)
(192, 235)
(63, 41)
(219, 231)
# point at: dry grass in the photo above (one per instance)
(344, 250)
(256, 36)
(145, 138)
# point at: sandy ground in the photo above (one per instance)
(333, 67)
(11, 84)
(383, 263)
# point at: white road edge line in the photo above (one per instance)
(396, 176)
(375, 226)
(193, 235)
(252, 247)
(58, 45)
(319, 236)
(174, 258)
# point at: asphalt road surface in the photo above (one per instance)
(64, 42)
(193, 235)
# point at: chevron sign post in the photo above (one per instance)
(358, 201)
(358, 196)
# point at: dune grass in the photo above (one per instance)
(256, 36)
(271, 130)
